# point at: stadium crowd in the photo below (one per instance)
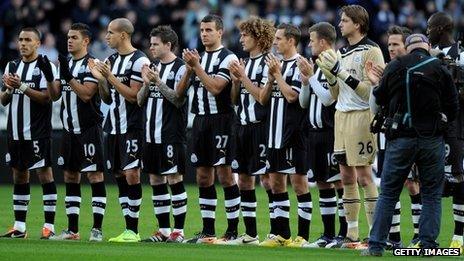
(274, 115)
(54, 17)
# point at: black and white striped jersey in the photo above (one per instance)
(27, 119)
(456, 127)
(285, 118)
(122, 115)
(164, 122)
(215, 63)
(249, 110)
(77, 115)
(320, 117)
(453, 51)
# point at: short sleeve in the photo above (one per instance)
(265, 77)
(88, 76)
(5, 72)
(179, 75)
(224, 67)
(296, 80)
(43, 81)
(137, 68)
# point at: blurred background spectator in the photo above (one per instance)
(54, 18)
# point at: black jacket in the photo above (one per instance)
(432, 92)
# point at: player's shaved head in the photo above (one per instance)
(123, 25)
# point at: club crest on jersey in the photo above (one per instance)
(7, 157)
(128, 65)
(171, 75)
(108, 164)
(216, 63)
(357, 59)
(36, 71)
(82, 69)
(259, 69)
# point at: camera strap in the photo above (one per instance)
(407, 116)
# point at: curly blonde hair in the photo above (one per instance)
(261, 30)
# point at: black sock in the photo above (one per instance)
(341, 214)
(232, 204)
(282, 213)
(21, 198)
(135, 200)
(73, 205)
(305, 210)
(162, 205)
(98, 203)
(123, 188)
(416, 209)
(49, 201)
(328, 206)
(271, 212)
(395, 235)
(208, 203)
(179, 204)
(248, 206)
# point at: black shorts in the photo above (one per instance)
(211, 140)
(454, 156)
(250, 149)
(82, 152)
(124, 150)
(164, 159)
(290, 159)
(320, 158)
(29, 154)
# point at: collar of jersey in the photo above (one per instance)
(30, 61)
(127, 53)
(291, 58)
(83, 57)
(213, 51)
(364, 40)
(168, 62)
(257, 56)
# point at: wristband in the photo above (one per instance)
(23, 87)
(9, 91)
(348, 79)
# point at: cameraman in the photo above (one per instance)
(440, 31)
(419, 96)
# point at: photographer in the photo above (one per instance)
(440, 31)
(420, 97)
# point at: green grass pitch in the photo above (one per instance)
(113, 224)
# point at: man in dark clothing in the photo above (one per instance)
(420, 98)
